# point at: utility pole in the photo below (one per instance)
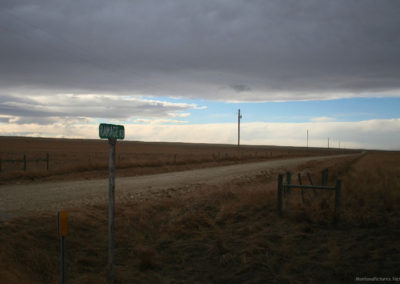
(307, 138)
(239, 117)
(328, 142)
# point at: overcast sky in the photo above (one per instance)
(82, 61)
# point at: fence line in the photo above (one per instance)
(25, 161)
(285, 188)
(66, 160)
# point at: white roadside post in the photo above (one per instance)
(112, 133)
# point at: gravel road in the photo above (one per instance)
(21, 199)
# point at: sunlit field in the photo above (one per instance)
(33, 159)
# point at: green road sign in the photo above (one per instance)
(111, 131)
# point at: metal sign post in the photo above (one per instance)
(111, 211)
(112, 133)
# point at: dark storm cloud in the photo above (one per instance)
(282, 49)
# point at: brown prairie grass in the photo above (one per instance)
(225, 234)
(71, 159)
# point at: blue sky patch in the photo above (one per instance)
(342, 110)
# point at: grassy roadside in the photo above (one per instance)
(27, 160)
(228, 233)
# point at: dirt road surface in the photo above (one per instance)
(21, 199)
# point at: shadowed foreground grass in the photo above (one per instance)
(225, 234)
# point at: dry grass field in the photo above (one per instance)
(85, 159)
(229, 233)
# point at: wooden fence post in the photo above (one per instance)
(302, 191)
(310, 178)
(312, 183)
(47, 161)
(280, 185)
(337, 200)
(24, 162)
(325, 176)
(288, 181)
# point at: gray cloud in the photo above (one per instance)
(77, 108)
(241, 88)
(282, 49)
